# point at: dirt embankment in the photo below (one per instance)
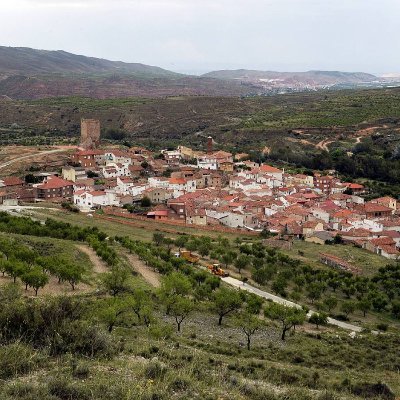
(99, 266)
(148, 274)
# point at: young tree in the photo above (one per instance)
(396, 309)
(314, 291)
(181, 240)
(72, 274)
(227, 258)
(3, 265)
(111, 314)
(364, 305)
(158, 238)
(226, 301)
(330, 302)
(116, 281)
(15, 269)
(334, 284)
(379, 302)
(180, 310)
(35, 278)
(204, 250)
(348, 307)
(173, 285)
(318, 319)
(140, 303)
(287, 316)
(242, 262)
(348, 289)
(262, 275)
(279, 286)
(254, 303)
(249, 324)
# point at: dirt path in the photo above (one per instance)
(60, 149)
(148, 274)
(323, 144)
(99, 266)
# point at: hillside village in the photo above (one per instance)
(213, 188)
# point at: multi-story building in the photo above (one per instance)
(55, 188)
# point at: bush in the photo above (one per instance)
(155, 370)
(179, 384)
(382, 327)
(64, 389)
(17, 359)
(80, 371)
(26, 391)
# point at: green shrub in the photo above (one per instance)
(80, 371)
(17, 359)
(155, 370)
(382, 327)
(26, 391)
(64, 389)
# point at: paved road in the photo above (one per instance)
(276, 299)
(22, 208)
(41, 153)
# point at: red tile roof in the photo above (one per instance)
(269, 169)
(12, 181)
(55, 182)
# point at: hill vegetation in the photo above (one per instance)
(315, 78)
(27, 61)
(191, 338)
(34, 74)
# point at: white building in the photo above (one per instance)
(85, 200)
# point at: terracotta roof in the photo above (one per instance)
(354, 186)
(383, 241)
(389, 249)
(97, 193)
(12, 181)
(269, 169)
(158, 213)
(373, 207)
(176, 181)
(55, 182)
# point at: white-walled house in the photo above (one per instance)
(85, 199)
(117, 156)
(321, 214)
(114, 170)
(207, 162)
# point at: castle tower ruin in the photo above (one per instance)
(90, 133)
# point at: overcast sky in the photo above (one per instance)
(200, 35)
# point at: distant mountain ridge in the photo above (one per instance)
(27, 61)
(27, 73)
(308, 77)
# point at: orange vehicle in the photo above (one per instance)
(217, 270)
(188, 256)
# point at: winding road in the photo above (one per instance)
(276, 299)
(33, 155)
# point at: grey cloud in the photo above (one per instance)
(206, 34)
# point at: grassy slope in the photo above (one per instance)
(232, 121)
(206, 361)
(209, 362)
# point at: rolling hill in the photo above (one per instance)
(35, 74)
(26, 61)
(292, 79)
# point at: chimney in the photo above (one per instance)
(209, 145)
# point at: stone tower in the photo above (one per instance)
(90, 133)
(209, 145)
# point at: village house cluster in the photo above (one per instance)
(216, 188)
